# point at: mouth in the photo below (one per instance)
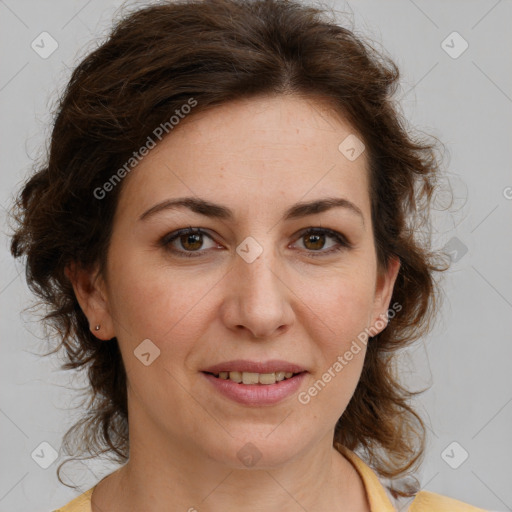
(256, 383)
(253, 378)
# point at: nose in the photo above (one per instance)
(257, 298)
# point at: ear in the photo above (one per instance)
(90, 292)
(383, 291)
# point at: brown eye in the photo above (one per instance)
(186, 242)
(191, 241)
(314, 241)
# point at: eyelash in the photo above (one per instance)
(343, 243)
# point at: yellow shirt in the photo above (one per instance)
(379, 499)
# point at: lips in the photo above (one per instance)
(256, 395)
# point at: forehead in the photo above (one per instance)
(260, 151)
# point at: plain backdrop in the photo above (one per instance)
(456, 84)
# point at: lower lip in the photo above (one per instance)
(257, 394)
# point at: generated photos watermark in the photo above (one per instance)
(343, 360)
(158, 133)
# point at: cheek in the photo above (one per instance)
(158, 303)
(338, 313)
(343, 302)
(341, 343)
(329, 391)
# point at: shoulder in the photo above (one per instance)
(426, 501)
(81, 503)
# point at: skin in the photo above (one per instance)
(257, 156)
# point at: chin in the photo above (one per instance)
(259, 450)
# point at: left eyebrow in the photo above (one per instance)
(217, 211)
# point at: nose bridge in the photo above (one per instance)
(257, 279)
(259, 298)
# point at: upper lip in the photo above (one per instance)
(241, 365)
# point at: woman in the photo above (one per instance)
(226, 233)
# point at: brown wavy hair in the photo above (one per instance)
(154, 60)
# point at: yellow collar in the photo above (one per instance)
(377, 496)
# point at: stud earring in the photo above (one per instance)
(97, 328)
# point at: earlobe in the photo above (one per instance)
(90, 292)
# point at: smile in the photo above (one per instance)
(255, 389)
(254, 378)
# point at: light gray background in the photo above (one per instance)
(466, 102)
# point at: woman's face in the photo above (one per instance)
(252, 287)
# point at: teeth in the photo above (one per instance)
(267, 378)
(236, 376)
(255, 378)
(250, 378)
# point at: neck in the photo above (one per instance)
(171, 475)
